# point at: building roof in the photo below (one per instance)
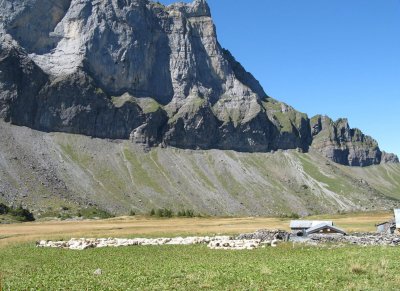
(397, 217)
(308, 223)
(322, 226)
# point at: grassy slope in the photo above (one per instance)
(384, 177)
(120, 177)
(224, 183)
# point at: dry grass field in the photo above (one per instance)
(144, 226)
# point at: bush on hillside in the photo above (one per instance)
(164, 212)
(186, 213)
(92, 213)
(21, 214)
(4, 209)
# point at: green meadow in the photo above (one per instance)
(287, 267)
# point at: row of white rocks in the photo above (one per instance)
(216, 242)
(241, 244)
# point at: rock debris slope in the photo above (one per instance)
(47, 172)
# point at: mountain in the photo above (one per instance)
(48, 172)
(136, 69)
(138, 74)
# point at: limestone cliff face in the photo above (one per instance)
(136, 69)
(389, 158)
(345, 145)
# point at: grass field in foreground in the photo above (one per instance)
(288, 267)
(24, 267)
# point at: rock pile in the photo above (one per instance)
(234, 244)
(266, 235)
(361, 239)
(241, 244)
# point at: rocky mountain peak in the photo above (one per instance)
(345, 145)
(389, 158)
(197, 8)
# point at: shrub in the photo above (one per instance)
(64, 216)
(93, 212)
(132, 213)
(4, 209)
(186, 213)
(291, 215)
(189, 213)
(22, 213)
(164, 212)
(152, 212)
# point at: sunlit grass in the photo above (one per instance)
(25, 267)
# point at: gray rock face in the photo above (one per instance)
(20, 82)
(120, 69)
(345, 145)
(27, 23)
(136, 69)
(361, 239)
(388, 158)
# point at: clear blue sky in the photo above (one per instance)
(334, 57)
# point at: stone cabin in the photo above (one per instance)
(325, 229)
(300, 227)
